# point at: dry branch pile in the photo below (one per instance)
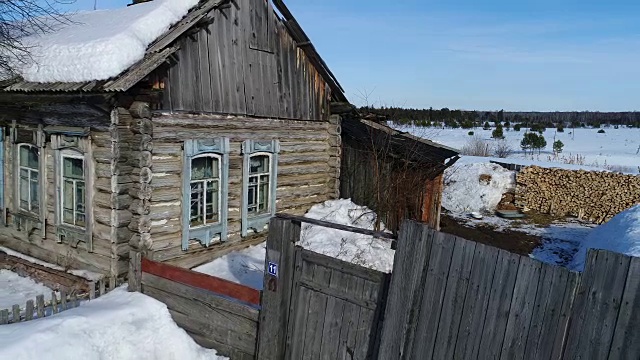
(593, 196)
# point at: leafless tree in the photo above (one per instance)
(476, 146)
(502, 149)
(20, 19)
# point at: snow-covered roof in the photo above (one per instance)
(99, 45)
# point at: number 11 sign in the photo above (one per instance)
(273, 269)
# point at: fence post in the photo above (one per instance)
(135, 271)
(276, 296)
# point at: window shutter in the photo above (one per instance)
(250, 147)
(205, 234)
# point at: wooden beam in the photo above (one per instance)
(301, 219)
(202, 281)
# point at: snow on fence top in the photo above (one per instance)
(98, 45)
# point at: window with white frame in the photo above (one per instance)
(259, 183)
(72, 189)
(205, 190)
(29, 178)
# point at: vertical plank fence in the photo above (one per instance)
(451, 298)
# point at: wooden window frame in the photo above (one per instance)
(76, 155)
(204, 181)
(38, 170)
(69, 144)
(207, 233)
(251, 148)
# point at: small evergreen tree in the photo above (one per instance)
(557, 146)
(601, 131)
(517, 127)
(540, 143)
(560, 128)
(498, 133)
(470, 133)
(486, 126)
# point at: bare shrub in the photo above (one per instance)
(502, 149)
(476, 146)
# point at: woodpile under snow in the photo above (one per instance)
(588, 195)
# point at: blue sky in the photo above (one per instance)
(493, 54)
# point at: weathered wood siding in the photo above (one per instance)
(110, 216)
(244, 62)
(307, 173)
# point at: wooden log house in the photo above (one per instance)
(184, 156)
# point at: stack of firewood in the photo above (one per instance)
(588, 195)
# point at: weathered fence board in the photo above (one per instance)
(215, 313)
(626, 337)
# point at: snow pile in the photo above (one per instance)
(16, 289)
(359, 249)
(243, 267)
(468, 188)
(98, 45)
(621, 234)
(119, 325)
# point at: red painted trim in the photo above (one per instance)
(202, 281)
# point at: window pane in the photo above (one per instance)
(212, 209)
(34, 192)
(264, 197)
(73, 168)
(80, 196)
(252, 201)
(205, 167)
(259, 164)
(197, 199)
(67, 201)
(24, 189)
(29, 156)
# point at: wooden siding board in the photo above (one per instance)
(626, 337)
(206, 96)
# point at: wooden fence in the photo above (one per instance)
(60, 301)
(216, 313)
(454, 298)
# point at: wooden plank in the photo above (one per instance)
(314, 325)
(15, 314)
(204, 63)
(561, 332)
(600, 294)
(277, 294)
(364, 334)
(54, 303)
(92, 290)
(626, 337)
(414, 245)
(454, 297)
(74, 300)
(547, 296)
(63, 300)
(521, 310)
(209, 299)
(432, 300)
(135, 270)
(102, 286)
(351, 320)
(301, 219)
(29, 311)
(4, 316)
(477, 299)
(203, 281)
(498, 307)
(333, 318)
(40, 306)
(341, 266)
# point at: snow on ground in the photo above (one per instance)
(243, 267)
(615, 150)
(89, 275)
(118, 325)
(97, 45)
(621, 234)
(247, 266)
(15, 289)
(465, 191)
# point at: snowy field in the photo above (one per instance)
(118, 325)
(615, 150)
(15, 289)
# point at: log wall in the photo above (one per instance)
(109, 213)
(589, 195)
(308, 169)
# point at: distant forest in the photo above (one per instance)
(471, 119)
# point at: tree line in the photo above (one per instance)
(471, 119)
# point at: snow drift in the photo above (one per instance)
(621, 234)
(464, 191)
(98, 45)
(119, 325)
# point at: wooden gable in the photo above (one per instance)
(244, 61)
